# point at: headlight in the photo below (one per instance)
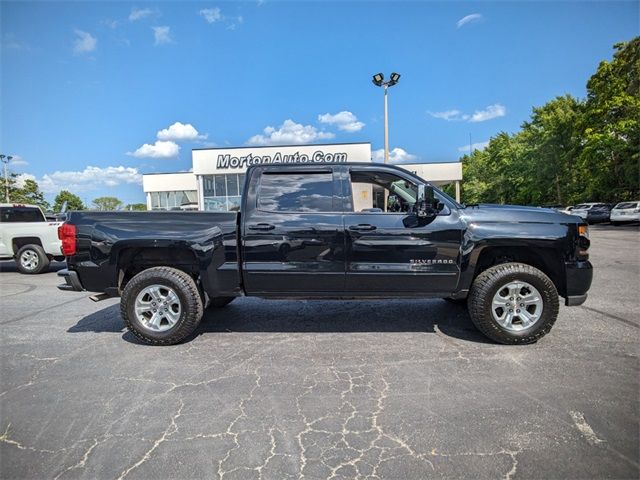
(583, 230)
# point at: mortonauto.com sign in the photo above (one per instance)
(225, 160)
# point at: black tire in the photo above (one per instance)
(456, 301)
(190, 302)
(488, 283)
(219, 302)
(616, 224)
(39, 260)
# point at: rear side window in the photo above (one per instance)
(296, 192)
(626, 205)
(20, 214)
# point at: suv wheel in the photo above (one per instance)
(161, 306)
(31, 259)
(513, 303)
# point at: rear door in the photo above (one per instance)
(385, 257)
(293, 233)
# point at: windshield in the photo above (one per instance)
(583, 206)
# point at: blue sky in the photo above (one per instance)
(96, 93)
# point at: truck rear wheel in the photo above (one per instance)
(32, 259)
(513, 303)
(161, 306)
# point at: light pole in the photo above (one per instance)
(6, 159)
(378, 81)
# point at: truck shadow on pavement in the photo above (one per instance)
(10, 266)
(318, 316)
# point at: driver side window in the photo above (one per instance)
(382, 192)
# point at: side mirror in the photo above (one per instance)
(425, 203)
(426, 208)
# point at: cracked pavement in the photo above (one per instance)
(321, 389)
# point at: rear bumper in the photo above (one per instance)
(72, 282)
(579, 277)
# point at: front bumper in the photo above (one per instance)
(579, 277)
(72, 282)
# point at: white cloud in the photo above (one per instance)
(162, 35)
(140, 13)
(447, 115)
(474, 17)
(17, 161)
(290, 132)
(474, 146)
(160, 149)
(84, 43)
(88, 179)
(344, 120)
(108, 22)
(10, 42)
(397, 155)
(211, 15)
(492, 111)
(233, 22)
(180, 132)
(21, 178)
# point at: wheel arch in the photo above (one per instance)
(548, 260)
(18, 242)
(131, 260)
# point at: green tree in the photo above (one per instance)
(551, 143)
(609, 161)
(141, 207)
(107, 203)
(29, 194)
(73, 201)
(570, 150)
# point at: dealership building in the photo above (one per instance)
(216, 180)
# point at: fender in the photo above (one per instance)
(480, 236)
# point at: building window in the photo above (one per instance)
(221, 192)
(180, 200)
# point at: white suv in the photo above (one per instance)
(625, 212)
(27, 236)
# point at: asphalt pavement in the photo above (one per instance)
(322, 389)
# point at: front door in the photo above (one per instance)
(293, 235)
(384, 257)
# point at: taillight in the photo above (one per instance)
(67, 233)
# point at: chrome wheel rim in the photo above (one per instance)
(517, 306)
(29, 260)
(158, 308)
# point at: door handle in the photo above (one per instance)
(362, 227)
(261, 226)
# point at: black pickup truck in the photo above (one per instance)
(298, 236)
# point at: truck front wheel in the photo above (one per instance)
(161, 306)
(513, 303)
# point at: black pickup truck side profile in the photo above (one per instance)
(297, 236)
